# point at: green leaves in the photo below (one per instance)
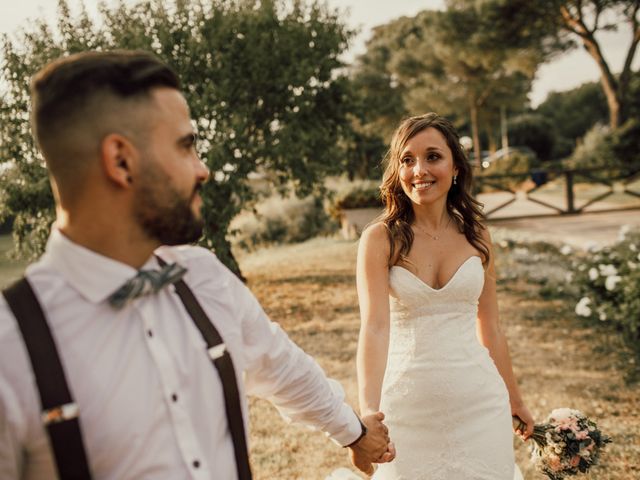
(259, 76)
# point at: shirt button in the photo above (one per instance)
(149, 333)
(174, 397)
(196, 464)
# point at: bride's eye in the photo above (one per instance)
(406, 160)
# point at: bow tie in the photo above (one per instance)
(145, 282)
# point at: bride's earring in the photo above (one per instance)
(455, 179)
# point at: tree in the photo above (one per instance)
(260, 78)
(449, 62)
(533, 131)
(580, 21)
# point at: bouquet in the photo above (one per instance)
(568, 443)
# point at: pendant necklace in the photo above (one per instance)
(435, 237)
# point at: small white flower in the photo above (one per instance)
(602, 316)
(631, 265)
(568, 277)
(592, 246)
(622, 233)
(566, 250)
(582, 308)
(593, 274)
(632, 247)
(611, 282)
(607, 270)
(582, 267)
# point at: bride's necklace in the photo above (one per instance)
(437, 236)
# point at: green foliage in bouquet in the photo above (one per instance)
(260, 77)
(608, 282)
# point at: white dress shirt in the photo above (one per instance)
(150, 400)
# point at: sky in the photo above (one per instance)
(563, 73)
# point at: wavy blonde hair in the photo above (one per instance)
(398, 215)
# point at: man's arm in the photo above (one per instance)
(278, 370)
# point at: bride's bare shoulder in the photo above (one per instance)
(376, 237)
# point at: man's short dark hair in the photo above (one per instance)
(63, 91)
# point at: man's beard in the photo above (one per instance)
(165, 215)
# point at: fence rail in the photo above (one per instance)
(521, 186)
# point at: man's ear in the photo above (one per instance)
(118, 157)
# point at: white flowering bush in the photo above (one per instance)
(608, 284)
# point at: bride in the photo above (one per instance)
(431, 353)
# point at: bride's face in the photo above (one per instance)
(426, 167)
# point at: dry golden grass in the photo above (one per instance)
(310, 290)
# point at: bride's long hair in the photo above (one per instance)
(398, 215)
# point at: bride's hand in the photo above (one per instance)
(522, 420)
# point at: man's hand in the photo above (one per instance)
(374, 447)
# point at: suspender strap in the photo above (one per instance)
(222, 361)
(59, 412)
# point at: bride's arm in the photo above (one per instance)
(372, 278)
(491, 336)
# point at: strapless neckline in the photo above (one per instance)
(422, 282)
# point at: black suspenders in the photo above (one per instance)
(60, 413)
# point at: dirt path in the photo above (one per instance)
(310, 290)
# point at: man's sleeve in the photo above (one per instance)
(10, 449)
(278, 370)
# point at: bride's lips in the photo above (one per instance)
(423, 185)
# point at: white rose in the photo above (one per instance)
(593, 274)
(611, 282)
(582, 307)
(566, 250)
(607, 270)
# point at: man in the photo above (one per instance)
(119, 144)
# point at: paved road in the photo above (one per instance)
(575, 230)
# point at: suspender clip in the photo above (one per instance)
(59, 414)
(217, 351)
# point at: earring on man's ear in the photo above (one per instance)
(455, 179)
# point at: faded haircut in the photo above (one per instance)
(78, 99)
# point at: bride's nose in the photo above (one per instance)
(420, 168)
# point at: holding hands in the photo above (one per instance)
(374, 447)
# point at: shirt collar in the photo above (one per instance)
(93, 275)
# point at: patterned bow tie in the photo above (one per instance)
(145, 282)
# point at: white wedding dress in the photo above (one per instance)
(446, 405)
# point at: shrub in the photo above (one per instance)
(608, 282)
(281, 220)
(358, 194)
(595, 149)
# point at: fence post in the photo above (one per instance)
(570, 196)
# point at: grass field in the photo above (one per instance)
(310, 290)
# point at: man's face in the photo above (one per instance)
(168, 203)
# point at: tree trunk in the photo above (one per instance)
(475, 133)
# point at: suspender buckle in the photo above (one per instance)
(217, 351)
(59, 414)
